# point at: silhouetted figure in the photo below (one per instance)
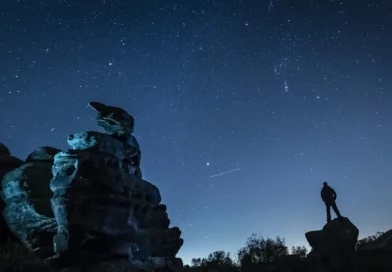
(328, 195)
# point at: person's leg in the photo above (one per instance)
(328, 207)
(336, 210)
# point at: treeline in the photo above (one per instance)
(258, 252)
(254, 256)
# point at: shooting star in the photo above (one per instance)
(224, 173)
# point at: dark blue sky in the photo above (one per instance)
(291, 93)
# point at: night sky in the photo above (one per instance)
(279, 95)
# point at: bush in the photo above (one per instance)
(365, 241)
(301, 251)
(218, 260)
(262, 251)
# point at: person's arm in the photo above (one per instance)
(334, 194)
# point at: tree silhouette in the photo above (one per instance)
(218, 260)
(261, 251)
(196, 262)
(257, 255)
(365, 241)
(301, 251)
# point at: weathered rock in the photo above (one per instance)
(105, 143)
(30, 182)
(44, 153)
(27, 213)
(102, 206)
(90, 202)
(7, 164)
(26, 196)
(117, 123)
(334, 245)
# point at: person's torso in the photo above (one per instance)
(327, 193)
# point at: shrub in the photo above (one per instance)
(262, 251)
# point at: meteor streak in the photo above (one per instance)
(224, 173)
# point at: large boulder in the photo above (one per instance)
(102, 206)
(334, 245)
(27, 195)
(88, 207)
(7, 164)
(43, 153)
(118, 124)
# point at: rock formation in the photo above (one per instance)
(118, 124)
(27, 196)
(333, 249)
(377, 255)
(334, 245)
(90, 202)
(7, 164)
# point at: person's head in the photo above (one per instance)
(325, 184)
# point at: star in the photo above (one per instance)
(223, 99)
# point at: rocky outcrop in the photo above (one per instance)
(333, 250)
(382, 242)
(117, 123)
(27, 195)
(333, 246)
(90, 202)
(375, 256)
(99, 199)
(7, 164)
(43, 154)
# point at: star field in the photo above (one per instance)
(289, 93)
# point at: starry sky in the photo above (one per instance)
(277, 95)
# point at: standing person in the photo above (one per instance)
(328, 195)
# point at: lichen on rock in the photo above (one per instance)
(26, 194)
